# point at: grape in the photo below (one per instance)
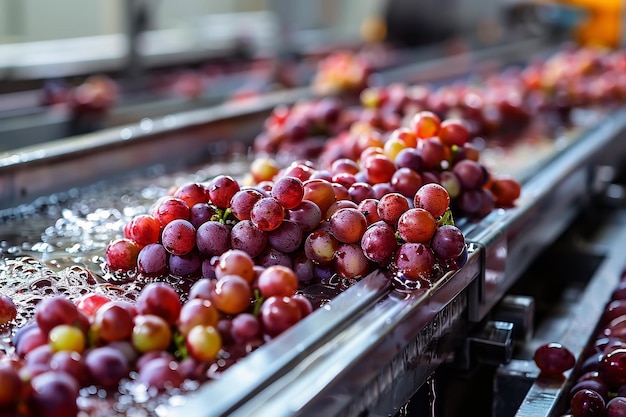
(121, 255)
(448, 243)
(344, 179)
(271, 256)
(277, 281)
(360, 191)
(320, 192)
(66, 337)
(54, 311)
(341, 192)
(203, 342)
(286, 238)
(298, 170)
(505, 191)
(337, 205)
(392, 147)
(161, 374)
(350, 262)
(197, 311)
(202, 289)
(113, 322)
(345, 166)
(89, 303)
(222, 189)
(71, 363)
(417, 226)
(596, 385)
(186, 265)
(192, 193)
(278, 314)
(170, 208)
(587, 403)
(263, 169)
(379, 169)
(10, 385)
(410, 158)
(307, 215)
(414, 261)
(39, 356)
(245, 328)
(8, 310)
(201, 213)
(379, 243)
(405, 135)
(152, 260)
(432, 197)
(433, 153)
(53, 394)
(232, 294)
(453, 132)
(242, 202)
(613, 310)
(406, 182)
(612, 368)
(391, 206)
(616, 407)
(304, 303)
(179, 237)
(150, 332)
(247, 237)
(469, 201)
(213, 238)
(320, 246)
(267, 214)
(235, 262)
(369, 208)
(425, 124)
(288, 191)
(28, 338)
(106, 366)
(470, 174)
(554, 358)
(160, 299)
(144, 229)
(348, 225)
(451, 183)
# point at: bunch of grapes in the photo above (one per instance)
(428, 151)
(158, 341)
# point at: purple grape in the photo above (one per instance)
(200, 213)
(53, 394)
(448, 243)
(379, 243)
(247, 237)
(587, 403)
(245, 328)
(287, 238)
(185, 265)
(179, 237)
(307, 215)
(271, 256)
(616, 407)
(213, 238)
(152, 260)
(106, 366)
(161, 373)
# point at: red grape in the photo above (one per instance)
(179, 237)
(222, 189)
(554, 358)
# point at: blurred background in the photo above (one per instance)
(72, 66)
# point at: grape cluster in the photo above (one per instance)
(158, 341)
